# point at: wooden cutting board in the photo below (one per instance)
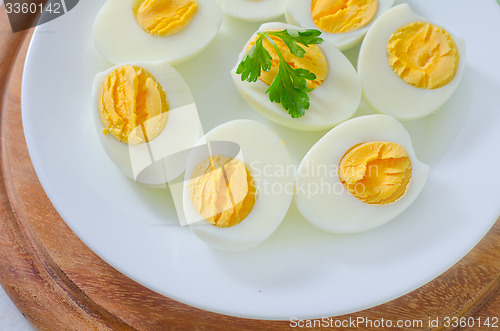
(60, 284)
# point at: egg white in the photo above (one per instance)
(263, 153)
(163, 158)
(119, 38)
(298, 12)
(383, 88)
(335, 209)
(250, 10)
(333, 102)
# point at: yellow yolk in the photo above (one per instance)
(132, 105)
(314, 60)
(164, 17)
(222, 191)
(376, 172)
(423, 55)
(339, 16)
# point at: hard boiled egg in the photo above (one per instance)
(152, 30)
(360, 175)
(238, 185)
(343, 22)
(409, 67)
(253, 10)
(336, 90)
(146, 120)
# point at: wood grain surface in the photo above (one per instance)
(60, 284)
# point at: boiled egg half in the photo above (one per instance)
(152, 30)
(360, 175)
(343, 22)
(237, 189)
(146, 120)
(336, 91)
(408, 66)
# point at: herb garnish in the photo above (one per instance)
(289, 87)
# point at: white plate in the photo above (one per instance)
(300, 271)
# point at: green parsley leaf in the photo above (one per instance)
(293, 37)
(256, 60)
(289, 87)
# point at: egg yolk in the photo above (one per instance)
(314, 60)
(376, 172)
(339, 16)
(132, 105)
(423, 55)
(222, 191)
(165, 17)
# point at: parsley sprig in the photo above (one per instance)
(289, 87)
